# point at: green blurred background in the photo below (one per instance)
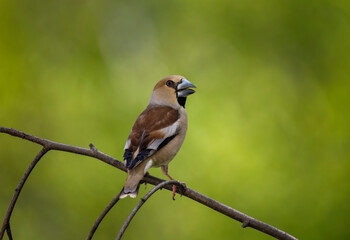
(269, 127)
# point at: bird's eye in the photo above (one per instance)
(170, 83)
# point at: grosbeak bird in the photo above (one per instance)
(158, 132)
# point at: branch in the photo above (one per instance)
(8, 230)
(190, 193)
(102, 215)
(142, 201)
(6, 223)
(93, 152)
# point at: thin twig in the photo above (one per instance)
(18, 191)
(190, 193)
(143, 200)
(8, 231)
(102, 215)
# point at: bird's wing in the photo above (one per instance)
(153, 129)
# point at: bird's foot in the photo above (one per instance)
(183, 187)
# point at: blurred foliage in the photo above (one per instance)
(269, 130)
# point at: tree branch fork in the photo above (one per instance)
(48, 145)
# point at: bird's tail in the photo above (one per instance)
(132, 183)
(128, 192)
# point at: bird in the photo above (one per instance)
(158, 132)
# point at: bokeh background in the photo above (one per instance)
(269, 127)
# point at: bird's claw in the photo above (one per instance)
(183, 188)
(174, 192)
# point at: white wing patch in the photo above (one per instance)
(127, 144)
(168, 132)
(155, 144)
(171, 130)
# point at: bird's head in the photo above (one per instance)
(172, 91)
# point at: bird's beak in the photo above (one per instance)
(183, 88)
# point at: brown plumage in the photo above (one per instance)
(158, 132)
(148, 124)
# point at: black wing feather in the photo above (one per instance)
(139, 158)
(143, 154)
(166, 141)
(127, 157)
